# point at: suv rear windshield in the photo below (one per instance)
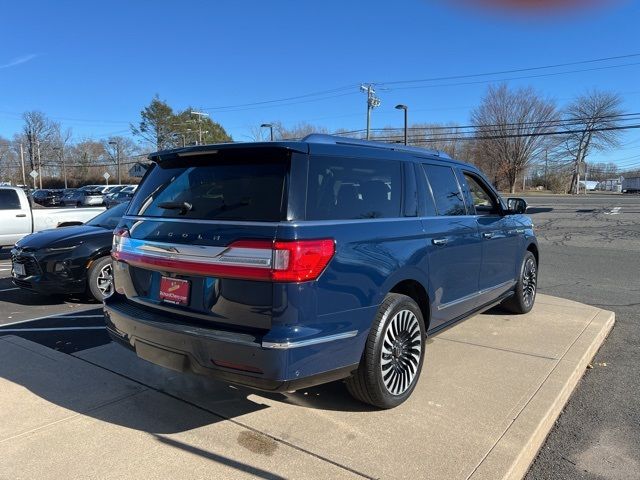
(211, 188)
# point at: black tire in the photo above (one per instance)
(398, 321)
(78, 204)
(96, 278)
(525, 292)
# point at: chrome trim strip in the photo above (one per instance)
(474, 295)
(209, 255)
(311, 341)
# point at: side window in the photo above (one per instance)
(445, 188)
(350, 188)
(9, 200)
(483, 201)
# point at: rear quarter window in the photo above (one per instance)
(348, 188)
(9, 200)
(251, 189)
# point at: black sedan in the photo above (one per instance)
(68, 260)
(48, 198)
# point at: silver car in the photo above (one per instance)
(84, 197)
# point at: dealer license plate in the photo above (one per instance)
(175, 290)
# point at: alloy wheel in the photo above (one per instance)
(529, 278)
(401, 351)
(104, 280)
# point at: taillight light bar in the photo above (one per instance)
(276, 261)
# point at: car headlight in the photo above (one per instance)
(60, 249)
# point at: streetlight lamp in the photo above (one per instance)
(117, 147)
(270, 127)
(405, 108)
(64, 167)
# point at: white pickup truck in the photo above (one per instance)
(18, 218)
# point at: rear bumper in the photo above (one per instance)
(238, 358)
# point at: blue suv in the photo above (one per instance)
(284, 265)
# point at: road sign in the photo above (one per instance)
(34, 174)
(106, 176)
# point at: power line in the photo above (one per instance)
(503, 72)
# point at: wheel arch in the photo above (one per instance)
(415, 290)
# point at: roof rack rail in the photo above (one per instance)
(338, 140)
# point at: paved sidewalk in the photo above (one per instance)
(491, 389)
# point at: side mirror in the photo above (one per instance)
(516, 205)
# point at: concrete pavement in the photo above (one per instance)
(491, 389)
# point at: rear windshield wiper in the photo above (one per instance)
(184, 207)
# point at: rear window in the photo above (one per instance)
(349, 188)
(251, 189)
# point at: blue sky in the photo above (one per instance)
(93, 66)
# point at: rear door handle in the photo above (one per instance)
(21, 215)
(439, 241)
(487, 234)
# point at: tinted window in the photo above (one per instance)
(348, 188)
(483, 201)
(208, 188)
(9, 200)
(446, 191)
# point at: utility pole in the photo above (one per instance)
(24, 177)
(546, 169)
(39, 164)
(372, 102)
(199, 115)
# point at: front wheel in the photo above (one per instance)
(393, 355)
(525, 292)
(101, 278)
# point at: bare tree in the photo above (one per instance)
(38, 131)
(512, 128)
(593, 119)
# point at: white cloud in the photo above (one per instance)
(19, 60)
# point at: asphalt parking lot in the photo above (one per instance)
(589, 253)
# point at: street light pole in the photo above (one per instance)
(405, 108)
(270, 127)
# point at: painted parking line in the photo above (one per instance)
(53, 329)
(60, 316)
(614, 211)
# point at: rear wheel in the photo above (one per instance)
(393, 355)
(101, 278)
(525, 292)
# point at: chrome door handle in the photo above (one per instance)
(21, 215)
(487, 235)
(439, 241)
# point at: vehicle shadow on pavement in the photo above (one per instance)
(27, 298)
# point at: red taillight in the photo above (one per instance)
(301, 260)
(118, 235)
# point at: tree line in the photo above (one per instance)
(515, 134)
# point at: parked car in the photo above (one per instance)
(84, 196)
(113, 190)
(18, 218)
(68, 260)
(283, 265)
(118, 198)
(47, 198)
